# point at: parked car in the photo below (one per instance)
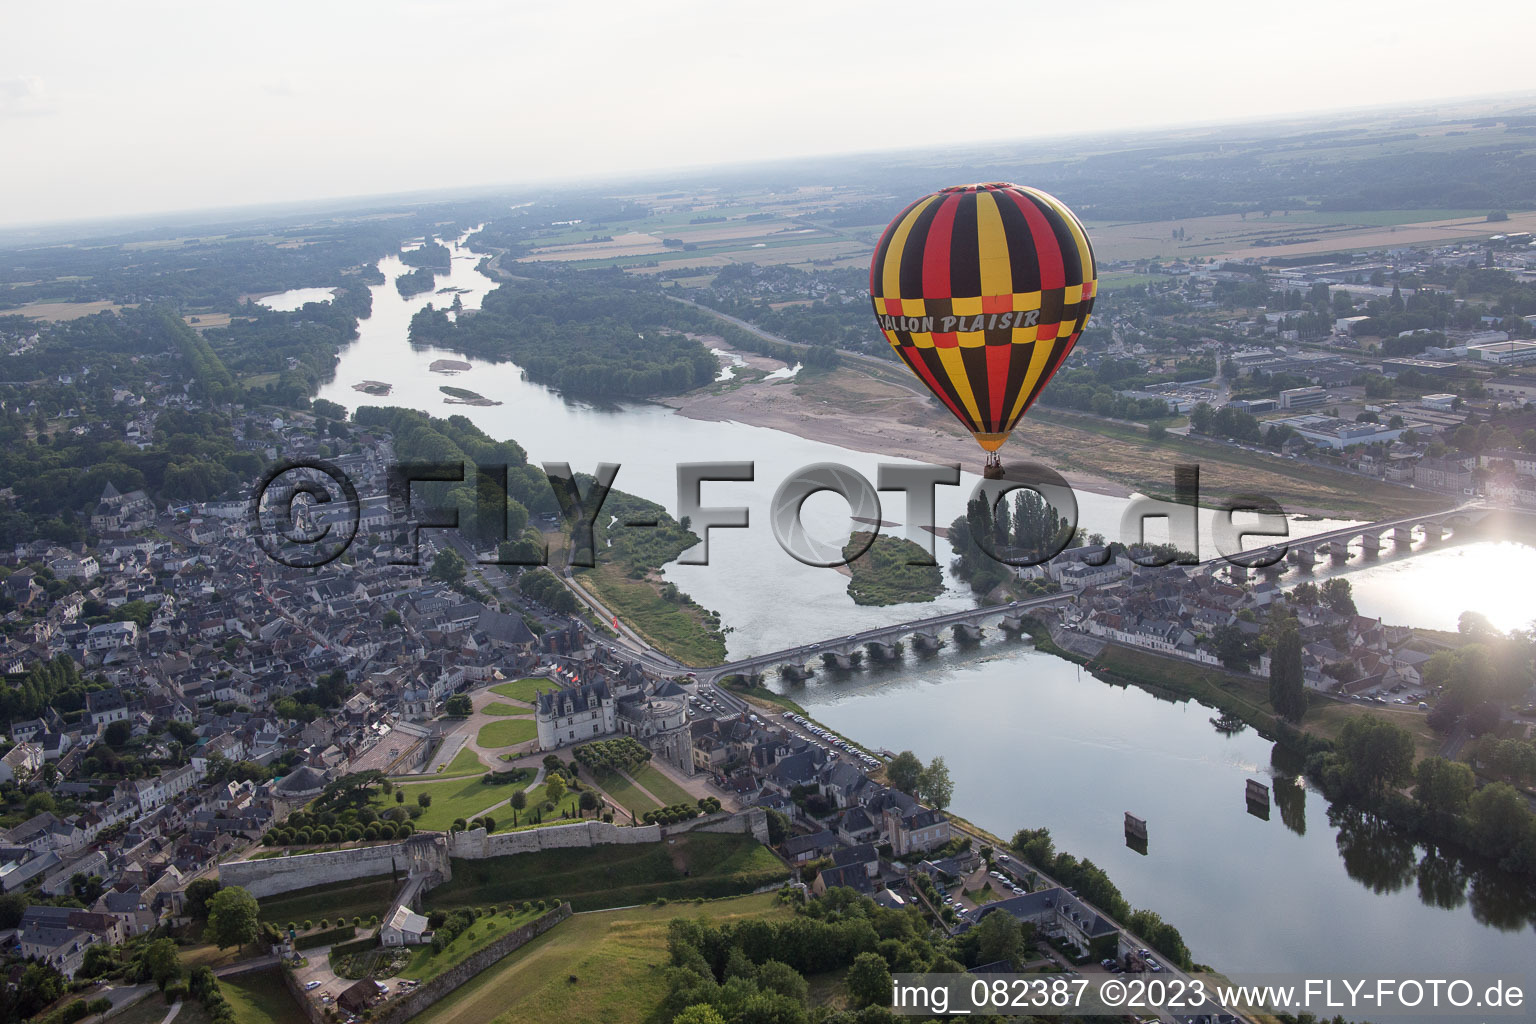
(310, 986)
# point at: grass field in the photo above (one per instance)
(360, 897)
(536, 799)
(426, 965)
(662, 787)
(615, 876)
(673, 627)
(149, 1010)
(524, 690)
(454, 798)
(465, 762)
(260, 999)
(615, 957)
(507, 732)
(622, 789)
(497, 707)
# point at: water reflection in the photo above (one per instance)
(1374, 853)
(1442, 880)
(1382, 859)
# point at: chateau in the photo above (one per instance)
(626, 702)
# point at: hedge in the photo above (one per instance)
(325, 938)
(361, 945)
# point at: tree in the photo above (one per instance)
(519, 800)
(1377, 754)
(117, 735)
(1442, 786)
(1287, 692)
(232, 917)
(999, 937)
(160, 962)
(904, 772)
(197, 896)
(448, 566)
(699, 1013)
(554, 788)
(424, 800)
(935, 784)
(459, 706)
(589, 800)
(1499, 820)
(869, 980)
(778, 827)
(1232, 646)
(1336, 594)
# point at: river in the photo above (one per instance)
(1028, 742)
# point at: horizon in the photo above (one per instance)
(206, 111)
(1503, 103)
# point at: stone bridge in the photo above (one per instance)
(1372, 537)
(882, 642)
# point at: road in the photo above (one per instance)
(868, 361)
(629, 645)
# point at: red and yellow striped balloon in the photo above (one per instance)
(982, 290)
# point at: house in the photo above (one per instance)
(405, 927)
(1058, 914)
(800, 849)
(360, 996)
(915, 831)
(21, 762)
(851, 876)
(110, 635)
(862, 856)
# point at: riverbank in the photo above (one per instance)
(851, 409)
(871, 410)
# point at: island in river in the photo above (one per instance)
(464, 396)
(890, 571)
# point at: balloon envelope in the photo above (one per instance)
(982, 290)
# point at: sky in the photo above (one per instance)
(114, 109)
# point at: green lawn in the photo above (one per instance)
(465, 762)
(536, 798)
(497, 707)
(426, 965)
(260, 999)
(452, 798)
(360, 897)
(696, 864)
(507, 732)
(663, 788)
(615, 958)
(622, 789)
(672, 626)
(525, 690)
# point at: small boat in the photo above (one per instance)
(1229, 723)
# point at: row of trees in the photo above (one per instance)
(1373, 761)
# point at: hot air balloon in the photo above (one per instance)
(982, 290)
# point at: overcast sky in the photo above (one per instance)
(111, 108)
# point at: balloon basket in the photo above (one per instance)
(993, 470)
